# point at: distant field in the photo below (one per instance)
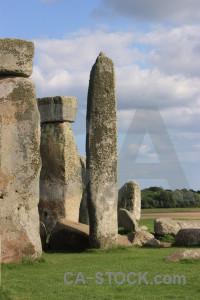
(164, 210)
(178, 213)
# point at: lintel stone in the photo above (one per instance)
(16, 57)
(57, 109)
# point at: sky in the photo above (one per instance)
(155, 46)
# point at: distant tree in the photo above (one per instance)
(158, 197)
(165, 198)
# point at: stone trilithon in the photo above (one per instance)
(101, 150)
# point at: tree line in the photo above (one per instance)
(157, 197)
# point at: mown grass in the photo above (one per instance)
(170, 210)
(44, 279)
(149, 223)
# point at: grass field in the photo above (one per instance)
(44, 279)
(147, 222)
(164, 210)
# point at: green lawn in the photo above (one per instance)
(149, 223)
(168, 210)
(44, 279)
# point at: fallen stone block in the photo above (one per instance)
(127, 220)
(183, 255)
(143, 238)
(164, 226)
(69, 235)
(188, 237)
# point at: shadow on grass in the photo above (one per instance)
(190, 261)
(122, 231)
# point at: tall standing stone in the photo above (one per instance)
(129, 198)
(20, 161)
(60, 178)
(101, 151)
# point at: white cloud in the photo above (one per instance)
(179, 11)
(175, 51)
(64, 66)
(137, 87)
(152, 70)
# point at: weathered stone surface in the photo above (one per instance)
(144, 238)
(69, 235)
(16, 57)
(101, 151)
(127, 220)
(166, 244)
(183, 254)
(19, 169)
(60, 178)
(57, 109)
(123, 241)
(144, 228)
(188, 237)
(83, 211)
(129, 198)
(43, 236)
(164, 226)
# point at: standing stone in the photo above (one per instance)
(19, 169)
(129, 198)
(83, 212)
(101, 151)
(60, 178)
(16, 57)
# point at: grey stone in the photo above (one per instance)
(43, 236)
(57, 109)
(16, 57)
(183, 255)
(164, 226)
(69, 235)
(123, 241)
(144, 228)
(83, 211)
(129, 198)
(127, 220)
(144, 238)
(101, 152)
(20, 165)
(188, 237)
(60, 178)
